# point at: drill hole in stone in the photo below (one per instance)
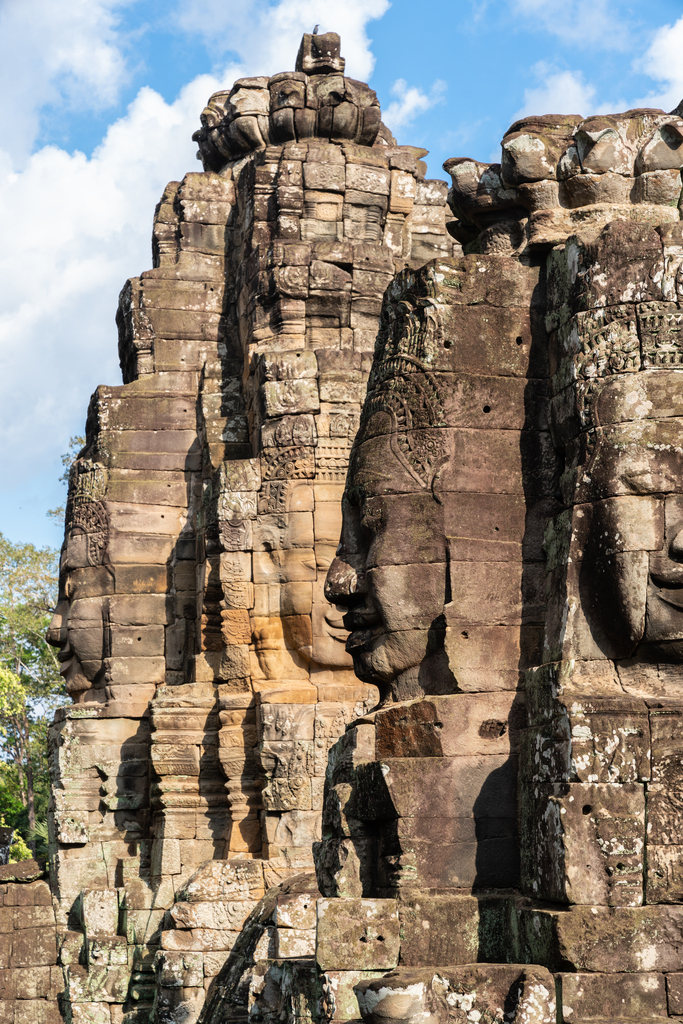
(587, 808)
(519, 340)
(487, 408)
(447, 343)
(464, 634)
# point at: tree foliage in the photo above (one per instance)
(68, 459)
(30, 685)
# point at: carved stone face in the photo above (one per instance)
(631, 579)
(390, 569)
(78, 624)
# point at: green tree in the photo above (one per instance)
(68, 458)
(30, 685)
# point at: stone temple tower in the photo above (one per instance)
(209, 676)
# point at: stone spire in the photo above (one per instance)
(314, 102)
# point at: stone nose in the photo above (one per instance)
(56, 631)
(343, 581)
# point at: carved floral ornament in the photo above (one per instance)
(405, 394)
(85, 510)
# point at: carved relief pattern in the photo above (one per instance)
(609, 342)
(661, 330)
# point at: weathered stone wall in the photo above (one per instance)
(485, 775)
(209, 675)
(456, 599)
(31, 981)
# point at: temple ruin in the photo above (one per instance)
(428, 771)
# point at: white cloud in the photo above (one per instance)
(55, 52)
(558, 92)
(76, 228)
(662, 61)
(266, 37)
(410, 103)
(593, 24)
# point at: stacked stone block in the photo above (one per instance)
(209, 677)
(603, 739)
(592, 438)
(31, 982)
(509, 391)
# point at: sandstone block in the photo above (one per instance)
(98, 985)
(622, 995)
(33, 947)
(284, 566)
(664, 883)
(99, 911)
(224, 880)
(296, 911)
(90, 1013)
(357, 934)
(292, 943)
(439, 788)
(467, 724)
(590, 843)
(324, 177)
(140, 609)
(474, 989)
(143, 926)
(107, 949)
(179, 970)
(226, 916)
(342, 984)
(604, 939)
(368, 179)
(403, 192)
(36, 1011)
(439, 930)
(166, 856)
(293, 828)
(199, 939)
(137, 642)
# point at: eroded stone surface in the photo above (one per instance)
(208, 673)
(487, 772)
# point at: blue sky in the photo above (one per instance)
(99, 101)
